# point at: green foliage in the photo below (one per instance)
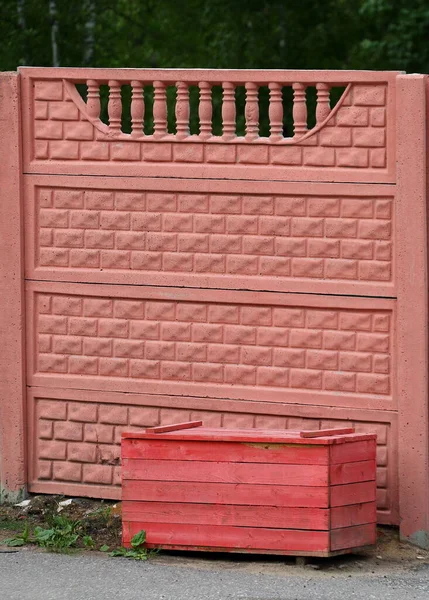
(105, 512)
(394, 36)
(88, 542)
(62, 535)
(20, 539)
(139, 539)
(137, 550)
(11, 524)
(328, 34)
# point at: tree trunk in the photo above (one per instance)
(89, 40)
(20, 9)
(54, 32)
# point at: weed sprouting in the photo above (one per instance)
(20, 539)
(137, 550)
(65, 535)
(61, 535)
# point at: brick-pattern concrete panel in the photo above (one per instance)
(196, 343)
(79, 442)
(350, 136)
(233, 235)
(310, 237)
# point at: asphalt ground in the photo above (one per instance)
(31, 574)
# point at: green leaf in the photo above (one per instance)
(12, 542)
(138, 539)
(43, 535)
(72, 540)
(104, 548)
(26, 533)
(88, 541)
(118, 552)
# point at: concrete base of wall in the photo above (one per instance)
(11, 497)
(419, 538)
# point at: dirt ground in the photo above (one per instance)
(102, 521)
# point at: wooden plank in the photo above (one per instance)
(315, 433)
(174, 427)
(267, 474)
(316, 519)
(352, 537)
(226, 452)
(353, 451)
(226, 493)
(353, 472)
(247, 435)
(223, 537)
(352, 493)
(354, 514)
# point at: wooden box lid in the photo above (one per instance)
(194, 430)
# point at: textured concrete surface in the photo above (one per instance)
(33, 575)
(285, 280)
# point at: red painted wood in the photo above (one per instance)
(214, 536)
(194, 491)
(352, 493)
(326, 432)
(238, 516)
(248, 435)
(174, 427)
(356, 452)
(268, 474)
(226, 452)
(352, 472)
(354, 514)
(225, 493)
(351, 537)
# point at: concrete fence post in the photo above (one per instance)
(12, 383)
(412, 317)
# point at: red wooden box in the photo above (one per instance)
(279, 492)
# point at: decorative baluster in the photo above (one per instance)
(228, 111)
(323, 107)
(182, 110)
(137, 108)
(299, 109)
(205, 110)
(251, 112)
(275, 112)
(159, 109)
(93, 99)
(115, 106)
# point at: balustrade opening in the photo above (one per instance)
(229, 112)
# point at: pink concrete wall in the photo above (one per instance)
(12, 381)
(77, 436)
(358, 140)
(248, 281)
(350, 139)
(217, 234)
